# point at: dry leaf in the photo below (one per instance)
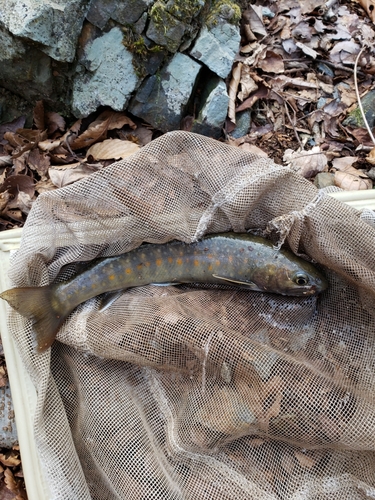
(232, 91)
(247, 83)
(14, 486)
(10, 460)
(272, 63)
(307, 50)
(369, 6)
(49, 144)
(306, 163)
(54, 122)
(112, 149)
(370, 158)
(16, 183)
(351, 179)
(248, 103)
(38, 161)
(343, 162)
(11, 127)
(62, 176)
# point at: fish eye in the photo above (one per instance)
(301, 279)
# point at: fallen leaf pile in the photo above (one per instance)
(295, 75)
(51, 154)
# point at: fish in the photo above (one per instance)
(240, 260)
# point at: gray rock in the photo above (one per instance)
(24, 69)
(55, 25)
(212, 115)
(125, 12)
(355, 119)
(8, 435)
(165, 29)
(110, 79)
(324, 179)
(216, 47)
(161, 100)
(243, 122)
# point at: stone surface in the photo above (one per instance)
(55, 25)
(324, 179)
(243, 122)
(124, 12)
(109, 79)
(165, 29)
(216, 47)
(161, 100)
(24, 69)
(213, 112)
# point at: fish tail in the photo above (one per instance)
(40, 305)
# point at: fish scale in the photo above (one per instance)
(238, 259)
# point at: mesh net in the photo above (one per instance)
(183, 392)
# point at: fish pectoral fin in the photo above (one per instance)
(248, 284)
(109, 298)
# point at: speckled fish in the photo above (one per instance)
(241, 260)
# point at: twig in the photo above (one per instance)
(359, 98)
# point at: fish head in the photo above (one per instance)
(288, 276)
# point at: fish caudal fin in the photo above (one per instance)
(38, 305)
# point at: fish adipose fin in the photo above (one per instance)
(249, 284)
(36, 304)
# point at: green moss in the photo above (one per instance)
(137, 46)
(228, 10)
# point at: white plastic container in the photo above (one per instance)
(23, 391)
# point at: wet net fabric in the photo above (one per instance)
(184, 392)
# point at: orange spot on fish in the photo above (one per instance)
(210, 256)
(147, 264)
(179, 261)
(128, 270)
(196, 263)
(170, 260)
(111, 277)
(230, 258)
(217, 262)
(139, 266)
(210, 267)
(159, 262)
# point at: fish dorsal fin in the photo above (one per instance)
(248, 284)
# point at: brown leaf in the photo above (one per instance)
(272, 63)
(343, 162)
(44, 185)
(62, 176)
(54, 122)
(16, 183)
(306, 163)
(369, 6)
(351, 179)
(49, 144)
(112, 149)
(11, 127)
(370, 158)
(38, 161)
(38, 115)
(10, 459)
(14, 486)
(248, 103)
(232, 91)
